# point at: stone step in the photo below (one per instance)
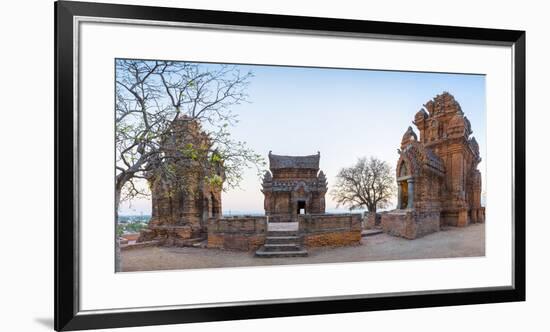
(282, 247)
(281, 233)
(278, 254)
(282, 239)
(192, 241)
(371, 232)
(283, 226)
(201, 244)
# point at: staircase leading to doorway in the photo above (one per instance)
(282, 240)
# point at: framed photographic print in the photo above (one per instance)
(219, 165)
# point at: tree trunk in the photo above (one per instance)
(118, 262)
(371, 207)
(121, 180)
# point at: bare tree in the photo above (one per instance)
(150, 95)
(205, 94)
(367, 184)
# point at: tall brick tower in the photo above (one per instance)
(445, 130)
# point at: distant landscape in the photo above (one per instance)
(144, 218)
(132, 223)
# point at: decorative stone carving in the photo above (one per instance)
(408, 137)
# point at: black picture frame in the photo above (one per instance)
(67, 314)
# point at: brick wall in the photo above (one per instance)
(410, 224)
(332, 239)
(372, 220)
(167, 235)
(248, 233)
(245, 233)
(321, 230)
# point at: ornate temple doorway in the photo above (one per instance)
(405, 187)
(404, 194)
(301, 209)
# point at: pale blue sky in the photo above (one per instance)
(344, 114)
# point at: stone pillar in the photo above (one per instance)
(410, 185)
(399, 195)
(474, 213)
(462, 218)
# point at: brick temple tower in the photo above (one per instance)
(437, 177)
(445, 130)
(183, 198)
(293, 186)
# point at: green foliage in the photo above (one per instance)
(119, 229)
(215, 181)
(216, 158)
(133, 227)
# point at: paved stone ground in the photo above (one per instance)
(282, 226)
(450, 242)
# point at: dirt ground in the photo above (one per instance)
(449, 242)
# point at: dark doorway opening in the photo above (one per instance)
(301, 207)
(215, 206)
(404, 187)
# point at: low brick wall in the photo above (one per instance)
(427, 222)
(333, 230)
(410, 224)
(167, 235)
(245, 233)
(373, 220)
(248, 233)
(332, 239)
(131, 236)
(139, 245)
